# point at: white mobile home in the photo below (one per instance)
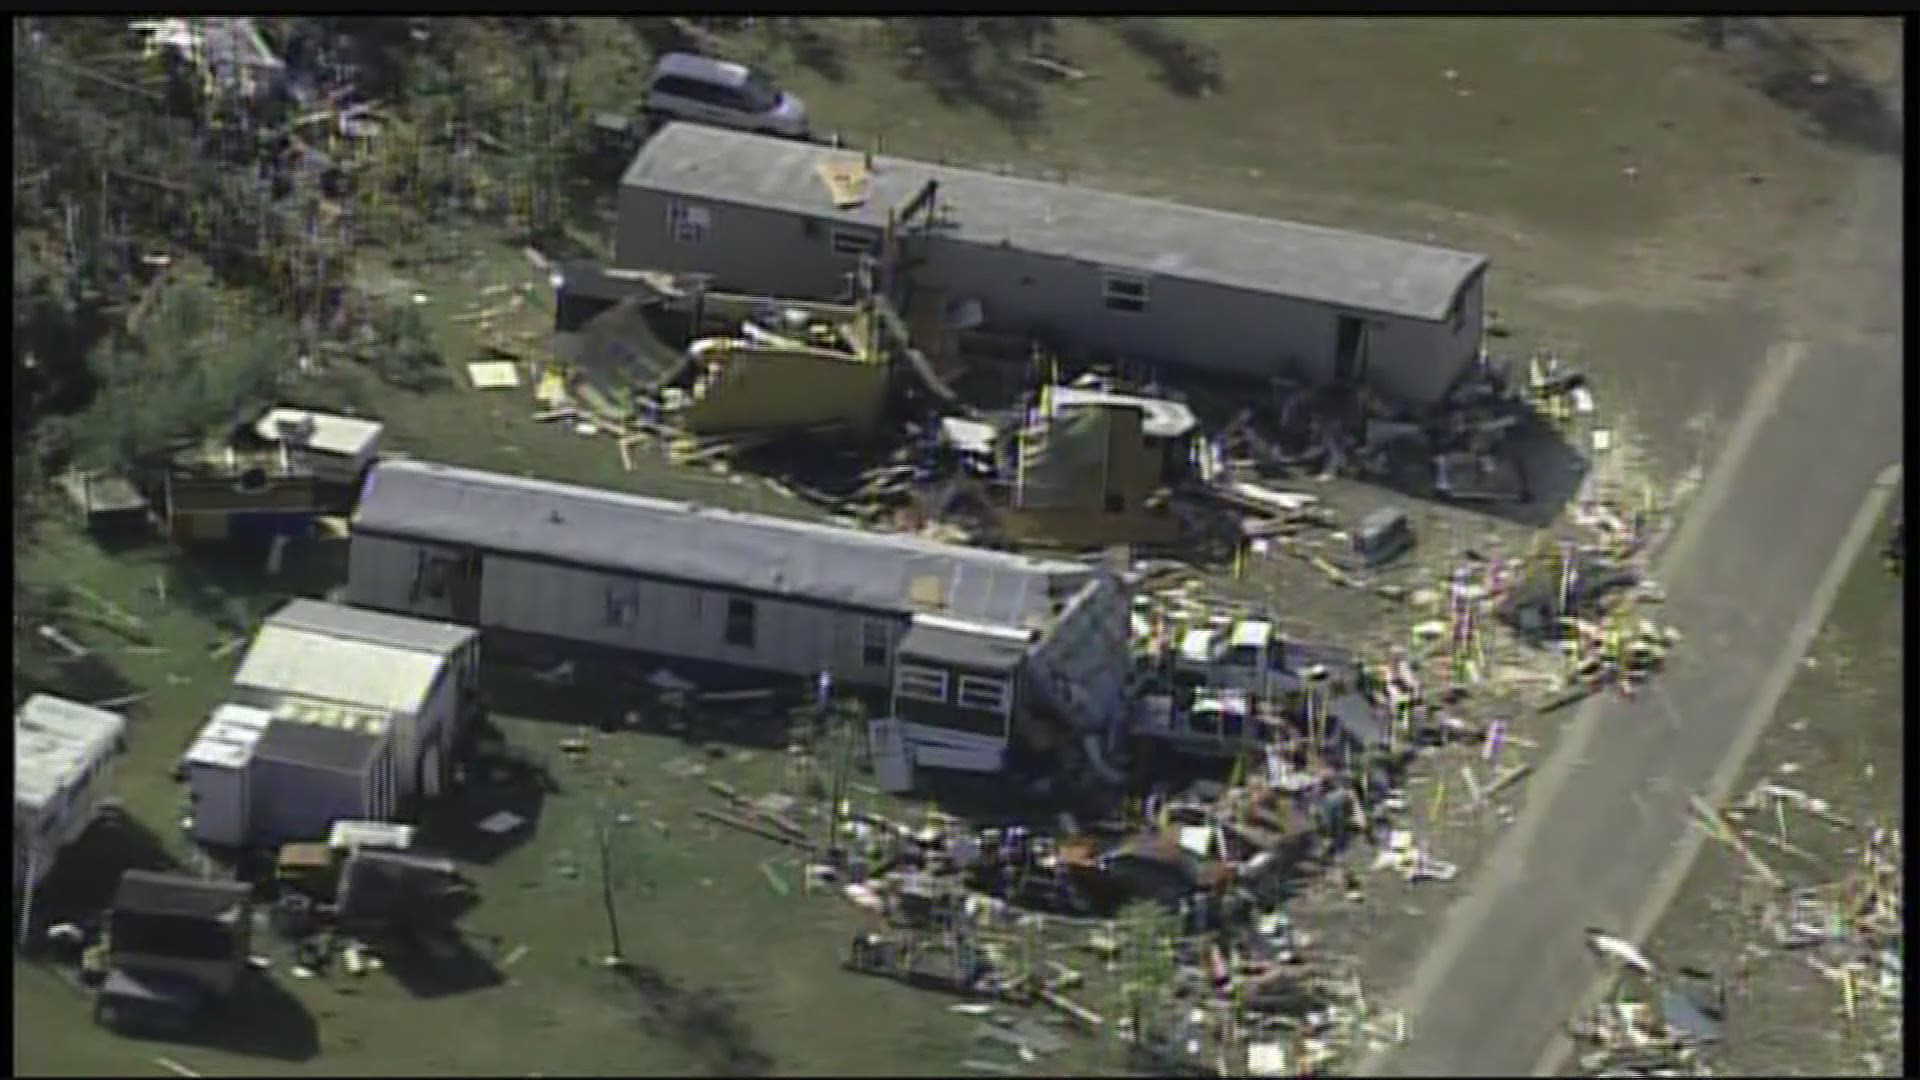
(421, 673)
(716, 593)
(1156, 281)
(63, 755)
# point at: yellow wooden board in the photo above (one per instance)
(847, 181)
(494, 374)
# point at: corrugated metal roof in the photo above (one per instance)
(1123, 232)
(692, 543)
(54, 740)
(372, 627)
(314, 664)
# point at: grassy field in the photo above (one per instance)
(1506, 135)
(1838, 735)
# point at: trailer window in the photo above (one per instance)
(688, 223)
(918, 683)
(1125, 293)
(875, 636)
(852, 243)
(740, 623)
(623, 604)
(983, 694)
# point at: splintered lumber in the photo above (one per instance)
(1078, 1012)
(1716, 826)
(734, 821)
(1335, 574)
(1506, 780)
(72, 648)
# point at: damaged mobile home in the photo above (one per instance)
(968, 646)
(1154, 281)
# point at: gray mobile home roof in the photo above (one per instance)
(294, 662)
(1123, 232)
(372, 627)
(705, 546)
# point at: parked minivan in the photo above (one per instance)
(685, 86)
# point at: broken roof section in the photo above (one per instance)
(1122, 232)
(774, 556)
(229, 52)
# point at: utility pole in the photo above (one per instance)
(603, 829)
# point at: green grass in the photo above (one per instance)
(1527, 122)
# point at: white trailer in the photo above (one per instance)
(218, 769)
(63, 755)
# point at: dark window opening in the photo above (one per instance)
(873, 644)
(740, 624)
(1128, 294)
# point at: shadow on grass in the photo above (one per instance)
(611, 690)
(81, 885)
(974, 63)
(227, 583)
(1839, 104)
(500, 777)
(1187, 69)
(704, 1022)
(261, 1019)
(440, 963)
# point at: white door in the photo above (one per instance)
(892, 764)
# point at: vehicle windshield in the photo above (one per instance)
(759, 93)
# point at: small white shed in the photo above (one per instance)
(218, 770)
(337, 448)
(421, 674)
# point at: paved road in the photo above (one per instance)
(1607, 813)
